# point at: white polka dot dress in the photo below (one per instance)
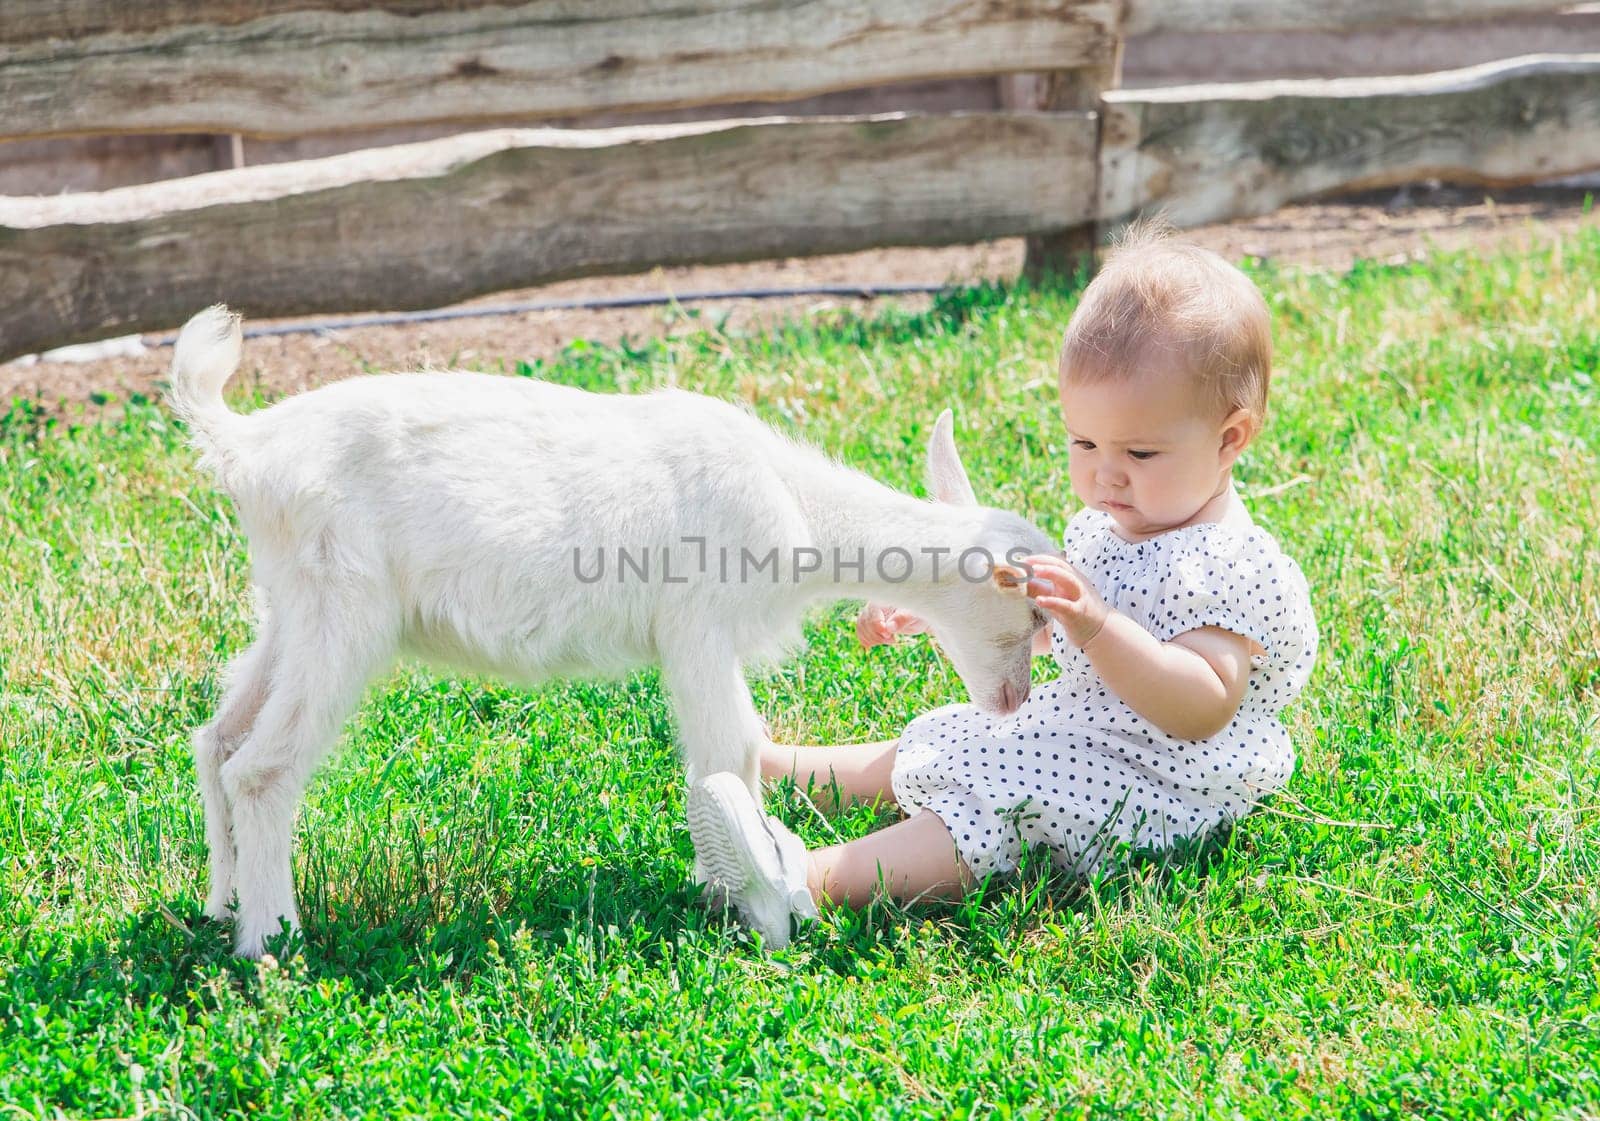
(1078, 770)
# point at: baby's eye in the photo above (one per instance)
(1084, 444)
(1143, 455)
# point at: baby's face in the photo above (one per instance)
(1146, 450)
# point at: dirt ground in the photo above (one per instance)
(1386, 226)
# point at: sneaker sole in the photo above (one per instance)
(728, 869)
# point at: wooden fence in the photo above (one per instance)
(420, 225)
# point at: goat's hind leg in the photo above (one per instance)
(214, 743)
(325, 659)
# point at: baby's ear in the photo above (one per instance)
(1009, 578)
(1239, 428)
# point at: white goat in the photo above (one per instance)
(463, 517)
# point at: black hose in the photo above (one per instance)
(386, 319)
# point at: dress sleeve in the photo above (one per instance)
(1240, 583)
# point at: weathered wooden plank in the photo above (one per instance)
(23, 21)
(428, 224)
(34, 20)
(1204, 153)
(1187, 57)
(1326, 15)
(306, 69)
(99, 163)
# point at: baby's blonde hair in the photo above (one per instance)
(1158, 296)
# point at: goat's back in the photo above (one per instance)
(474, 502)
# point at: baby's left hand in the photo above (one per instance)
(1067, 596)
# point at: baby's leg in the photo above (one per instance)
(752, 861)
(861, 770)
(912, 860)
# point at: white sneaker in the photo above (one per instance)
(748, 858)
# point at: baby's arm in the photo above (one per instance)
(1189, 687)
(877, 625)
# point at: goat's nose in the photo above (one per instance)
(1009, 700)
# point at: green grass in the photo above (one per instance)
(494, 881)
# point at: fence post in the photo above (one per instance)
(1064, 252)
(228, 148)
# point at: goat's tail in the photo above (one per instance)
(205, 357)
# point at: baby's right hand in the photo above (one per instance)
(878, 625)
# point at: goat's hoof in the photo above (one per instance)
(219, 909)
(252, 944)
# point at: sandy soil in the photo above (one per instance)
(1386, 226)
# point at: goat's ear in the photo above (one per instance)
(1009, 578)
(946, 476)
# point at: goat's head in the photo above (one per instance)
(986, 626)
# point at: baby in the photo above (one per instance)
(1179, 626)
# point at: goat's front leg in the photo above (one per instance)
(717, 720)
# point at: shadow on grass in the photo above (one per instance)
(1006, 913)
(639, 913)
(404, 935)
(170, 951)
